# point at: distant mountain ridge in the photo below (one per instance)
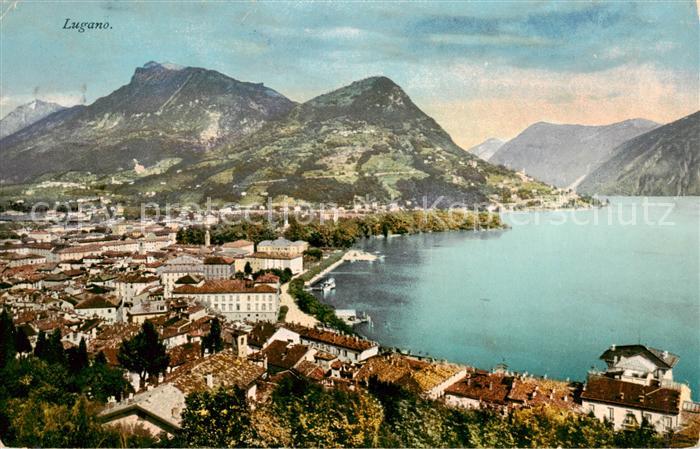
(364, 139)
(163, 112)
(25, 115)
(487, 148)
(563, 155)
(661, 162)
(188, 134)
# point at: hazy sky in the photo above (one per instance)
(481, 69)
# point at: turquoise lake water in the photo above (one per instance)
(547, 296)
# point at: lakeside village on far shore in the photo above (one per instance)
(97, 285)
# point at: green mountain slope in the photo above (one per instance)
(366, 140)
(164, 112)
(188, 134)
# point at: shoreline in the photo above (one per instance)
(351, 255)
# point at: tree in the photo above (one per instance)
(54, 348)
(335, 418)
(314, 253)
(248, 269)
(22, 343)
(643, 435)
(213, 341)
(216, 419)
(145, 353)
(104, 381)
(77, 358)
(40, 346)
(37, 423)
(7, 338)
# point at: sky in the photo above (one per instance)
(481, 69)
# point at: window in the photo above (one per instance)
(630, 420)
(611, 414)
(647, 416)
(668, 423)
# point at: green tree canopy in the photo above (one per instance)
(145, 353)
(213, 341)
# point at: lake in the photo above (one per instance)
(546, 296)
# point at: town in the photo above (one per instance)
(225, 316)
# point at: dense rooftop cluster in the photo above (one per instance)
(215, 309)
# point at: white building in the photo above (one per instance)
(637, 384)
(269, 261)
(625, 404)
(236, 300)
(218, 267)
(176, 268)
(99, 306)
(283, 246)
(129, 286)
(151, 242)
(640, 364)
(346, 348)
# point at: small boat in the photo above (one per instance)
(353, 317)
(325, 286)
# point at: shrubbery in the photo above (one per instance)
(308, 303)
(303, 414)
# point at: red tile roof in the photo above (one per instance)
(332, 338)
(267, 278)
(224, 286)
(491, 388)
(628, 394)
(237, 244)
(280, 354)
(96, 302)
(259, 255)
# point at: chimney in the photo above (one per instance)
(612, 347)
(210, 380)
(665, 354)
(243, 345)
(490, 385)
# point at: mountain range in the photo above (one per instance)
(661, 162)
(487, 148)
(564, 154)
(189, 133)
(367, 139)
(164, 112)
(25, 115)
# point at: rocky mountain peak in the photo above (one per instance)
(26, 115)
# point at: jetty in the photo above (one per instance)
(352, 317)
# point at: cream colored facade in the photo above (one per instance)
(261, 261)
